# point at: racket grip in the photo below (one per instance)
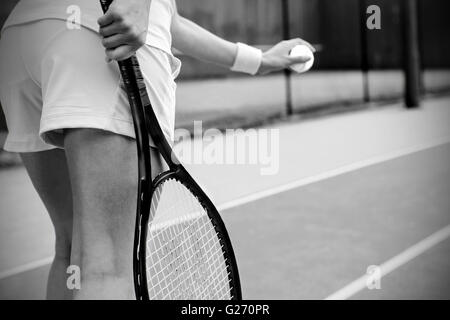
(105, 4)
(127, 66)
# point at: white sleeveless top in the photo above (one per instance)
(160, 20)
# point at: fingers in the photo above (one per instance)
(108, 18)
(114, 14)
(116, 41)
(120, 53)
(298, 41)
(120, 47)
(299, 59)
(130, 32)
(121, 35)
(112, 29)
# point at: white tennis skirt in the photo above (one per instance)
(54, 78)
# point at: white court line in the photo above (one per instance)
(26, 267)
(280, 189)
(392, 264)
(331, 173)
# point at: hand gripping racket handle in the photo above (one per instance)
(137, 94)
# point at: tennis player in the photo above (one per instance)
(69, 118)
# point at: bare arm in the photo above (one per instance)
(195, 41)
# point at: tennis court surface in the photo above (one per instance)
(353, 190)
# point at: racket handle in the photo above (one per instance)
(105, 4)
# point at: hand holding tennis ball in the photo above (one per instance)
(285, 55)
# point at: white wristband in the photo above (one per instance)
(248, 59)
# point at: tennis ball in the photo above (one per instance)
(302, 50)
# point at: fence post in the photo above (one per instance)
(411, 55)
(2, 121)
(287, 72)
(364, 50)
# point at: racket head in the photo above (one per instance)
(185, 252)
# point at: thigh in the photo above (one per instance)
(104, 176)
(49, 175)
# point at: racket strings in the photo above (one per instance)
(185, 257)
(179, 260)
(191, 270)
(193, 281)
(195, 278)
(178, 255)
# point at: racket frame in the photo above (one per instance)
(180, 174)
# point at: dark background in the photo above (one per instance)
(335, 25)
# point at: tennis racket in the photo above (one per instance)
(182, 250)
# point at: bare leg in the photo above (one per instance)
(103, 172)
(50, 177)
